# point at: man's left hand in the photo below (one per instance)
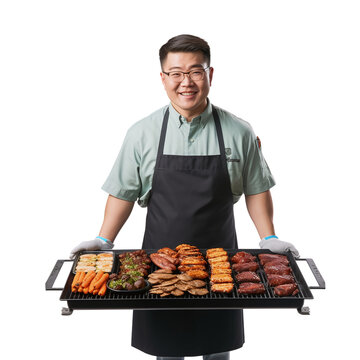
(278, 246)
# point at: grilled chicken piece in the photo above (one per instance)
(222, 288)
(251, 288)
(161, 262)
(193, 261)
(216, 254)
(183, 246)
(197, 274)
(277, 269)
(215, 271)
(242, 256)
(167, 251)
(276, 279)
(221, 278)
(247, 276)
(221, 265)
(202, 291)
(265, 258)
(184, 268)
(196, 283)
(286, 290)
(213, 250)
(218, 259)
(248, 266)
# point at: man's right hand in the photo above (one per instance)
(96, 244)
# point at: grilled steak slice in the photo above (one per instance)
(242, 256)
(161, 262)
(249, 266)
(286, 290)
(280, 269)
(265, 258)
(196, 291)
(276, 279)
(177, 292)
(251, 288)
(247, 276)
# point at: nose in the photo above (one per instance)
(186, 80)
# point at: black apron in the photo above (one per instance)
(191, 203)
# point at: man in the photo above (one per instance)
(189, 162)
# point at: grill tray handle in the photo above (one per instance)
(54, 274)
(320, 280)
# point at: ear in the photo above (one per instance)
(162, 75)
(211, 72)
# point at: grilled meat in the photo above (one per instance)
(196, 291)
(276, 279)
(221, 265)
(277, 269)
(242, 257)
(216, 254)
(222, 288)
(265, 258)
(221, 278)
(213, 250)
(193, 261)
(167, 251)
(198, 274)
(247, 276)
(161, 262)
(171, 259)
(286, 290)
(251, 288)
(248, 266)
(218, 259)
(215, 271)
(184, 268)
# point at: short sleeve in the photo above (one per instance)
(256, 173)
(124, 180)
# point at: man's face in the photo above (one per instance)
(188, 97)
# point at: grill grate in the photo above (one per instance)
(113, 300)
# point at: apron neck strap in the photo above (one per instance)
(218, 132)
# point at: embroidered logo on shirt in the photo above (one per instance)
(258, 142)
(228, 151)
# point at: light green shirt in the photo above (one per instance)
(131, 176)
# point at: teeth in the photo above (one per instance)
(188, 93)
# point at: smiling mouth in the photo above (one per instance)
(188, 93)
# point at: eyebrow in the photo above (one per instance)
(191, 67)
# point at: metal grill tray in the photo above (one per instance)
(234, 300)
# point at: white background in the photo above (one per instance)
(75, 75)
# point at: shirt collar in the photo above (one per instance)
(203, 118)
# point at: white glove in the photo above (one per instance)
(99, 243)
(277, 246)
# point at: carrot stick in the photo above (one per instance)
(81, 278)
(94, 280)
(103, 279)
(85, 290)
(102, 290)
(95, 291)
(88, 278)
(76, 278)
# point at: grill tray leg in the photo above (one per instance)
(66, 311)
(304, 310)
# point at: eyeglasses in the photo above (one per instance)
(179, 76)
